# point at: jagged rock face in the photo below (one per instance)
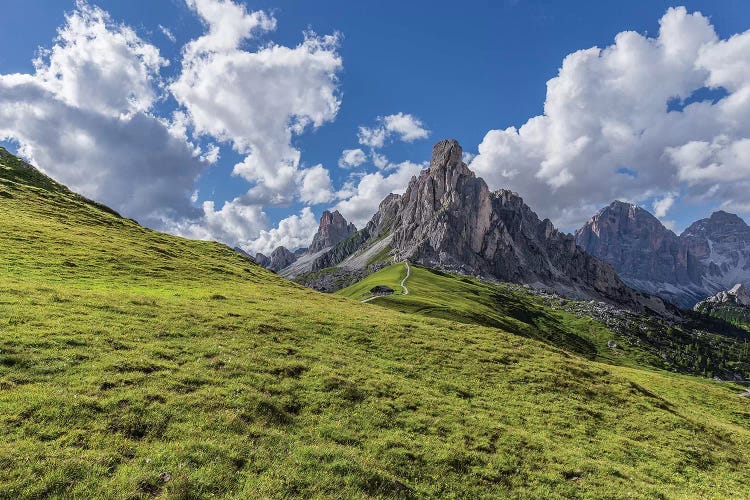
(645, 254)
(634, 242)
(721, 243)
(281, 257)
(263, 260)
(735, 296)
(379, 225)
(711, 255)
(382, 221)
(333, 228)
(449, 219)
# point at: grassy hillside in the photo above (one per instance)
(699, 345)
(465, 299)
(135, 364)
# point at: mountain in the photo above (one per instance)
(731, 306)
(735, 296)
(150, 365)
(721, 243)
(711, 255)
(263, 260)
(280, 258)
(449, 219)
(350, 259)
(332, 229)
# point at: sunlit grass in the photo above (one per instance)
(134, 364)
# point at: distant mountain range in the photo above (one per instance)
(711, 255)
(449, 219)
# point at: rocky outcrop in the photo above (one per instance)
(357, 241)
(721, 245)
(449, 219)
(263, 260)
(333, 228)
(735, 296)
(711, 255)
(634, 241)
(280, 258)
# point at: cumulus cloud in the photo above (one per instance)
(405, 127)
(257, 100)
(295, 231)
(82, 118)
(352, 158)
(662, 205)
(235, 223)
(99, 65)
(629, 121)
(315, 185)
(86, 116)
(362, 200)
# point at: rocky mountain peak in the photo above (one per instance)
(720, 223)
(722, 217)
(446, 155)
(332, 229)
(447, 168)
(449, 219)
(708, 257)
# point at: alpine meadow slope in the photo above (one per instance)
(143, 364)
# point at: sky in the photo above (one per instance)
(243, 121)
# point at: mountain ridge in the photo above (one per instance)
(449, 219)
(711, 255)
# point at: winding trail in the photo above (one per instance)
(403, 285)
(408, 273)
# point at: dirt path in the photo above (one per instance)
(408, 273)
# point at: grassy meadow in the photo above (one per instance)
(135, 364)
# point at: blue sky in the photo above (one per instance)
(460, 70)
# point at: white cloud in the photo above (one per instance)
(99, 65)
(212, 155)
(662, 205)
(81, 117)
(228, 25)
(86, 117)
(607, 110)
(363, 199)
(293, 232)
(235, 224)
(379, 160)
(167, 33)
(373, 137)
(315, 185)
(257, 100)
(352, 158)
(406, 127)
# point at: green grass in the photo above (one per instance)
(468, 300)
(389, 276)
(135, 364)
